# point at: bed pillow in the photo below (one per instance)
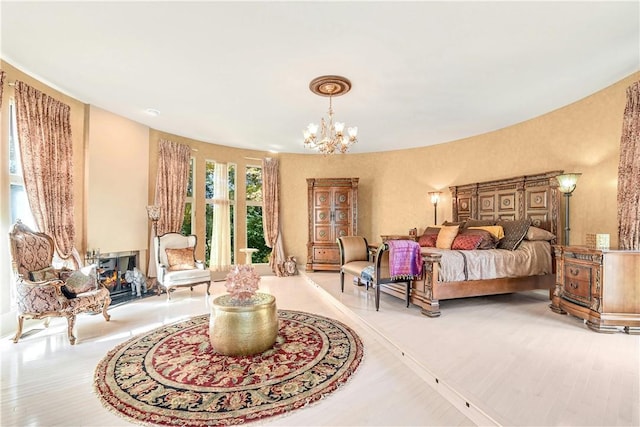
(466, 242)
(487, 240)
(496, 230)
(514, 232)
(446, 236)
(536, 233)
(429, 237)
(478, 223)
(180, 259)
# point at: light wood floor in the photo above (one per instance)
(47, 382)
(510, 356)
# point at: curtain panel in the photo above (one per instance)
(629, 173)
(46, 150)
(220, 257)
(271, 215)
(171, 185)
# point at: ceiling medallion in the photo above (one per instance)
(332, 138)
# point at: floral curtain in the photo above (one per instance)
(2, 74)
(171, 185)
(629, 173)
(220, 257)
(46, 150)
(271, 215)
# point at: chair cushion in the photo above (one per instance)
(185, 277)
(47, 273)
(180, 259)
(356, 267)
(82, 280)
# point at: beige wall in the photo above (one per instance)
(582, 137)
(117, 184)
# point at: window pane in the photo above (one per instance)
(255, 234)
(208, 180)
(15, 167)
(20, 207)
(232, 181)
(186, 222)
(190, 182)
(207, 235)
(254, 183)
(233, 234)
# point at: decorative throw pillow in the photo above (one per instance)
(466, 242)
(446, 236)
(68, 292)
(496, 230)
(535, 233)
(82, 280)
(514, 232)
(450, 223)
(487, 240)
(478, 223)
(47, 273)
(180, 259)
(429, 237)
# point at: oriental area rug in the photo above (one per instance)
(172, 376)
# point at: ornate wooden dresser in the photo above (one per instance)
(333, 212)
(600, 286)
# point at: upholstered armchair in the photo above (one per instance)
(354, 257)
(176, 263)
(42, 291)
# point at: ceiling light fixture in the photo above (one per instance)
(152, 112)
(332, 138)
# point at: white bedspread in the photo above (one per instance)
(530, 259)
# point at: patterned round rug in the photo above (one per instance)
(172, 376)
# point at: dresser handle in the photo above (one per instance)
(573, 285)
(574, 271)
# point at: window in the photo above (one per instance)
(209, 196)
(255, 232)
(18, 196)
(187, 222)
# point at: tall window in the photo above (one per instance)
(18, 196)
(255, 232)
(187, 222)
(209, 195)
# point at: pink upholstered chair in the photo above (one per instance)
(42, 291)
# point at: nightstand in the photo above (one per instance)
(601, 287)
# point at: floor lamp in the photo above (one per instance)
(153, 211)
(435, 197)
(567, 183)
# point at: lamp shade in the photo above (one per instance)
(567, 182)
(435, 196)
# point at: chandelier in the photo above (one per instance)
(332, 138)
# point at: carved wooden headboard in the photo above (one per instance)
(533, 196)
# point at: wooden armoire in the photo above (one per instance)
(333, 212)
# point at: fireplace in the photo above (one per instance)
(112, 269)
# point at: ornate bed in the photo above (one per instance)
(532, 196)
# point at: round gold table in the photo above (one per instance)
(243, 328)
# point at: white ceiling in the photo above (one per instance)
(237, 73)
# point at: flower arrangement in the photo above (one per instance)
(242, 282)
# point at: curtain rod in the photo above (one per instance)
(252, 158)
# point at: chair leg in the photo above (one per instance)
(208, 286)
(168, 294)
(342, 281)
(408, 292)
(47, 321)
(71, 322)
(19, 330)
(377, 296)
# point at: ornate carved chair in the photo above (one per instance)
(176, 263)
(42, 291)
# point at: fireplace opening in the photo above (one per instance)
(112, 271)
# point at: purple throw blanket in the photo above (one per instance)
(405, 261)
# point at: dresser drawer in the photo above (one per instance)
(326, 255)
(577, 284)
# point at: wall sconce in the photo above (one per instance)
(435, 197)
(567, 183)
(153, 211)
